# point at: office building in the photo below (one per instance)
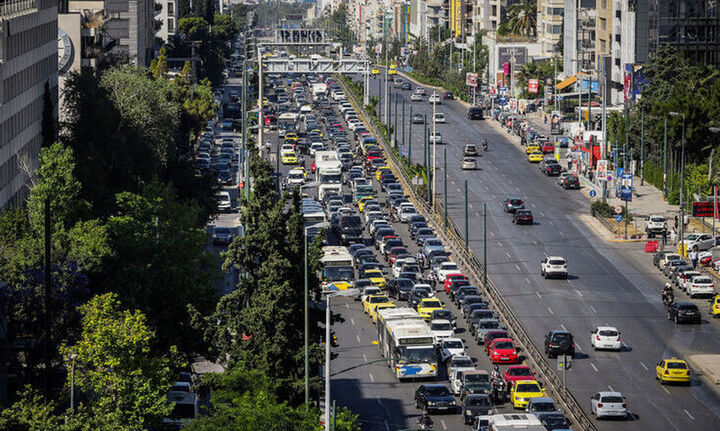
(28, 60)
(132, 24)
(168, 19)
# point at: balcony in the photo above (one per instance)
(436, 3)
(9, 8)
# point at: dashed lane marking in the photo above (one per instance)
(593, 309)
(594, 367)
(507, 254)
(688, 413)
(611, 389)
(527, 280)
(358, 337)
(643, 365)
(352, 321)
(539, 296)
(550, 311)
(579, 293)
(518, 267)
(665, 389)
(442, 422)
(372, 379)
(563, 327)
(364, 358)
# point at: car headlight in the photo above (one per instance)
(431, 403)
(468, 412)
(520, 399)
(452, 403)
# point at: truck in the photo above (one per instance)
(337, 269)
(408, 343)
(328, 167)
(318, 89)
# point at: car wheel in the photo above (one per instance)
(417, 404)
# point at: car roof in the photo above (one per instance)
(454, 340)
(519, 382)
(610, 328)
(441, 321)
(555, 257)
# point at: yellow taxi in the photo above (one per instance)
(291, 137)
(714, 306)
(393, 69)
(374, 312)
(522, 390)
(372, 301)
(427, 306)
(535, 157)
(265, 101)
(363, 201)
(381, 171)
(289, 158)
(672, 370)
(376, 277)
(532, 147)
(375, 71)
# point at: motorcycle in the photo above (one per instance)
(425, 422)
(498, 390)
(484, 145)
(667, 295)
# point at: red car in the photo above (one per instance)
(394, 252)
(452, 277)
(548, 147)
(492, 335)
(518, 372)
(312, 167)
(503, 351)
(373, 155)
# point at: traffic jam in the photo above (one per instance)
(432, 324)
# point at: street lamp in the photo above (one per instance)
(681, 223)
(72, 381)
(330, 294)
(435, 97)
(714, 130)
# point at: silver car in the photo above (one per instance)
(468, 163)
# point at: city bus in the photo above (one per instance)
(407, 342)
(337, 269)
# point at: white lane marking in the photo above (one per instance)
(358, 337)
(688, 413)
(372, 379)
(517, 267)
(665, 389)
(352, 321)
(492, 234)
(563, 327)
(477, 214)
(594, 367)
(442, 422)
(551, 223)
(579, 293)
(611, 389)
(551, 312)
(643, 365)
(387, 425)
(499, 244)
(458, 190)
(562, 234)
(347, 306)
(510, 182)
(507, 254)
(535, 242)
(470, 206)
(517, 189)
(578, 346)
(364, 358)
(542, 214)
(593, 309)
(533, 205)
(527, 280)
(538, 295)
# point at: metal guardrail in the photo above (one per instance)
(452, 238)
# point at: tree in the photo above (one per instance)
(116, 370)
(159, 252)
(194, 28)
(49, 121)
(523, 17)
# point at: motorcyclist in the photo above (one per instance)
(668, 296)
(425, 422)
(485, 144)
(495, 372)
(268, 146)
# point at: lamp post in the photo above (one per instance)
(72, 382)
(681, 223)
(434, 144)
(714, 130)
(330, 294)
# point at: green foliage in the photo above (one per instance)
(603, 209)
(522, 17)
(115, 367)
(194, 28)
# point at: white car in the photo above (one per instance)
(416, 97)
(296, 177)
(608, 404)
(405, 213)
(408, 264)
(425, 286)
(441, 329)
(371, 290)
(420, 91)
(450, 347)
(286, 148)
(435, 99)
(701, 241)
(656, 224)
(701, 285)
(605, 337)
(439, 117)
(684, 280)
(316, 146)
(468, 163)
(554, 266)
(436, 138)
(446, 268)
(224, 204)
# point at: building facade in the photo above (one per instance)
(550, 26)
(132, 24)
(168, 18)
(28, 60)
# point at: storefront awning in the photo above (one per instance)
(571, 80)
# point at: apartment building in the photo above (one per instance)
(132, 24)
(550, 25)
(603, 29)
(579, 38)
(168, 18)
(28, 60)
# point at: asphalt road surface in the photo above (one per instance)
(609, 284)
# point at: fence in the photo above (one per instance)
(455, 243)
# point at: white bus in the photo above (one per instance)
(337, 268)
(407, 342)
(510, 422)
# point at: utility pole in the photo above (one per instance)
(603, 148)
(445, 208)
(387, 66)
(409, 142)
(403, 123)
(665, 160)
(642, 146)
(485, 262)
(395, 118)
(434, 144)
(47, 295)
(467, 230)
(261, 121)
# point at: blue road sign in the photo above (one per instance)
(618, 218)
(620, 172)
(593, 193)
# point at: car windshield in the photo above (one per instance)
(687, 307)
(692, 237)
(223, 230)
(561, 337)
(431, 304)
(378, 299)
(339, 273)
(677, 365)
(436, 391)
(657, 219)
(372, 290)
(477, 378)
(555, 421)
(477, 401)
(455, 344)
(612, 399)
(504, 345)
(491, 324)
(433, 242)
(442, 314)
(519, 372)
(702, 280)
(423, 354)
(528, 387)
(411, 268)
(461, 362)
(441, 326)
(523, 213)
(544, 407)
(515, 202)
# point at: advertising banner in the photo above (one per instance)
(602, 169)
(626, 181)
(471, 79)
(533, 85)
(555, 126)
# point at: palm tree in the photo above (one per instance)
(523, 17)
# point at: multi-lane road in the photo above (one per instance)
(609, 284)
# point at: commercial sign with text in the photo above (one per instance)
(704, 209)
(533, 85)
(471, 79)
(456, 14)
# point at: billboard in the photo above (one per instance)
(507, 53)
(533, 85)
(704, 209)
(626, 181)
(555, 125)
(456, 17)
(602, 170)
(471, 79)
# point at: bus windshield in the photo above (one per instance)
(338, 273)
(418, 354)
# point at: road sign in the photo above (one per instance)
(471, 79)
(564, 362)
(593, 193)
(618, 209)
(609, 177)
(703, 209)
(241, 184)
(618, 218)
(620, 171)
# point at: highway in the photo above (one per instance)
(609, 284)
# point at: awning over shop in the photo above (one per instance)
(571, 80)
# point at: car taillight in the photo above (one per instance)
(600, 405)
(597, 337)
(624, 405)
(618, 338)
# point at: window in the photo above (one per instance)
(604, 4)
(603, 23)
(617, 62)
(554, 29)
(171, 9)
(171, 25)
(494, 10)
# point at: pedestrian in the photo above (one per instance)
(686, 220)
(673, 236)
(694, 257)
(545, 118)
(676, 222)
(664, 237)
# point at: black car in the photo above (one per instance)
(448, 95)
(475, 405)
(223, 235)
(510, 205)
(559, 343)
(418, 119)
(475, 113)
(416, 295)
(400, 288)
(684, 312)
(553, 420)
(443, 315)
(476, 316)
(550, 167)
(464, 291)
(571, 182)
(523, 217)
(435, 398)
(405, 86)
